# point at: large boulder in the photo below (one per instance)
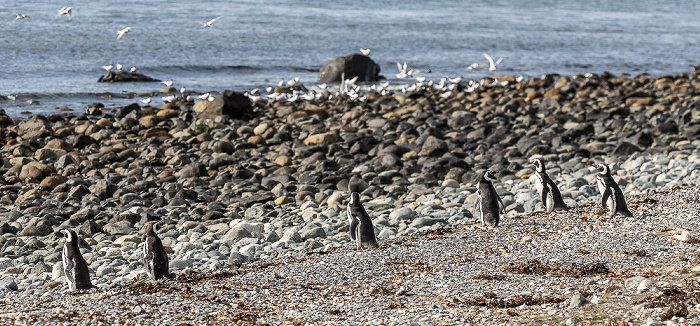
(34, 128)
(233, 104)
(119, 77)
(354, 65)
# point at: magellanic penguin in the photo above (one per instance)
(613, 197)
(487, 201)
(361, 228)
(154, 256)
(75, 267)
(549, 193)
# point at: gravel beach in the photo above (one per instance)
(254, 207)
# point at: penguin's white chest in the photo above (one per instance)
(601, 185)
(539, 185)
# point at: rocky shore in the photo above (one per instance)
(255, 205)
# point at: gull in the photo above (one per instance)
(520, 79)
(210, 98)
(132, 70)
(251, 96)
(421, 79)
(208, 24)
(365, 52)
(108, 67)
(323, 86)
(121, 33)
(119, 67)
(293, 81)
(183, 90)
(403, 71)
(455, 80)
(492, 65)
(168, 83)
(475, 66)
(65, 11)
(146, 101)
(20, 16)
(281, 83)
(204, 96)
(168, 99)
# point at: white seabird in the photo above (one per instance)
(365, 52)
(208, 23)
(492, 65)
(121, 32)
(65, 11)
(20, 16)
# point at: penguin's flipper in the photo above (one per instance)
(503, 207)
(606, 195)
(545, 193)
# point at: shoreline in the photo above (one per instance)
(274, 184)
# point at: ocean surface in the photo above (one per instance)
(255, 44)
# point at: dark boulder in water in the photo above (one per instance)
(354, 65)
(121, 77)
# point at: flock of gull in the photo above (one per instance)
(293, 90)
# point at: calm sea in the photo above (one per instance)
(256, 43)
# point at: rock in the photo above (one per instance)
(403, 214)
(433, 147)
(34, 128)
(195, 169)
(420, 222)
(633, 282)
(236, 258)
(644, 285)
(179, 264)
(9, 284)
(237, 234)
(122, 77)
(625, 149)
(316, 139)
(386, 234)
(34, 172)
(41, 229)
(695, 270)
(312, 231)
(235, 105)
(357, 185)
(350, 66)
(576, 301)
(5, 263)
(45, 153)
(291, 235)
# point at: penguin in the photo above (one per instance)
(361, 228)
(549, 193)
(154, 256)
(487, 201)
(75, 267)
(613, 197)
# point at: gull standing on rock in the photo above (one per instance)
(20, 16)
(108, 67)
(208, 23)
(132, 70)
(168, 83)
(120, 33)
(365, 52)
(65, 11)
(119, 67)
(492, 65)
(146, 101)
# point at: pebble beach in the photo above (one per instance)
(254, 208)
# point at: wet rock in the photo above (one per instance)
(122, 77)
(235, 105)
(350, 66)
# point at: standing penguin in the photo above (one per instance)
(154, 256)
(487, 201)
(549, 193)
(613, 197)
(361, 228)
(75, 267)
